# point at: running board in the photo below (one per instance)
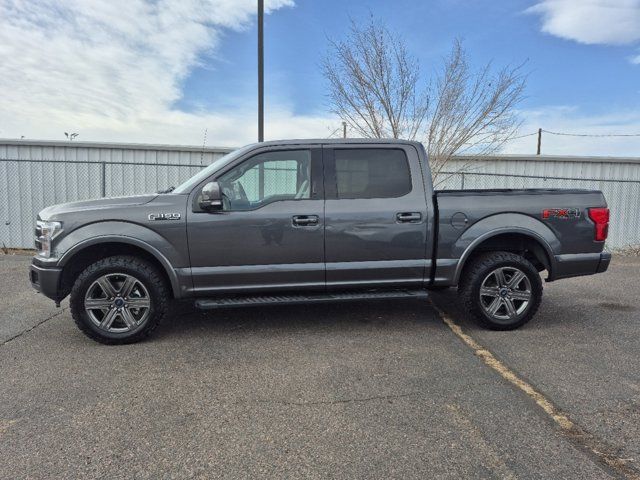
(293, 299)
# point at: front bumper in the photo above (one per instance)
(575, 265)
(45, 279)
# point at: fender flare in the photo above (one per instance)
(97, 240)
(542, 234)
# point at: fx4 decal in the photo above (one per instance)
(561, 213)
(164, 216)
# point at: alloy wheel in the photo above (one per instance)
(505, 294)
(117, 303)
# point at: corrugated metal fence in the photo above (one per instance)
(617, 178)
(35, 174)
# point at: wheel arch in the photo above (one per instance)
(533, 246)
(87, 252)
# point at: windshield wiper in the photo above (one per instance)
(168, 190)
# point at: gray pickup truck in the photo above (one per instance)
(313, 221)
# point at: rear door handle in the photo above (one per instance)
(305, 220)
(409, 217)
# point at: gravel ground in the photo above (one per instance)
(362, 390)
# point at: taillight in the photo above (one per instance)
(600, 216)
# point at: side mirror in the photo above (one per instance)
(211, 197)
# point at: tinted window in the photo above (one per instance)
(372, 173)
(266, 178)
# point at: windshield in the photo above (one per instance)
(187, 186)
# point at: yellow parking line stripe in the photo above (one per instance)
(567, 426)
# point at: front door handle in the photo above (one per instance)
(305, 220)
(409, 217)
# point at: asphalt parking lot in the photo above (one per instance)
(366, 390)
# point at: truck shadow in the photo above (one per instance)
(184, 319)
(553, 312)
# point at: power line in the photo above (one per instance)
(487, 142)
(522, 136)
(566, 134)
(593, 134)
(334, 132)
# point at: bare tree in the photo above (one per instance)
(473, 112)
(376, 86)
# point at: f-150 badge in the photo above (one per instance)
(164, 216)
(561, 213)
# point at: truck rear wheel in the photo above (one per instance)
(119, 300)
(502, 290)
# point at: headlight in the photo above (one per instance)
(45, 232)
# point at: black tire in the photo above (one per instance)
(149, 280)
(483, 269)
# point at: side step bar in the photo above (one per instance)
(292, 299)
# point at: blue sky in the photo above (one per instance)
(597, 78)
(164, 71)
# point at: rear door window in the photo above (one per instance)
(371, 173)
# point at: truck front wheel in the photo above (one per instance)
(119, 300)
(502, 290)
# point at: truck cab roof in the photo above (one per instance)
(339, 141)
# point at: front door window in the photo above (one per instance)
(266, 178)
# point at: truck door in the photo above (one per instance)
(270, 233)
(375, 216)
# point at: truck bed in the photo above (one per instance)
(559, 219)
(514, 191)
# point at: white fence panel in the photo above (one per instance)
(35, 174)
(617, 178)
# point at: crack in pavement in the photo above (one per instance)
(595, 447)
(341, 401)
(33, 327)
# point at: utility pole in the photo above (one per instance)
(344, 129)
(539, 141)
(261, 70)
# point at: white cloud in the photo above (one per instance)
(610, 22)
(112, 70)
(569, 119)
